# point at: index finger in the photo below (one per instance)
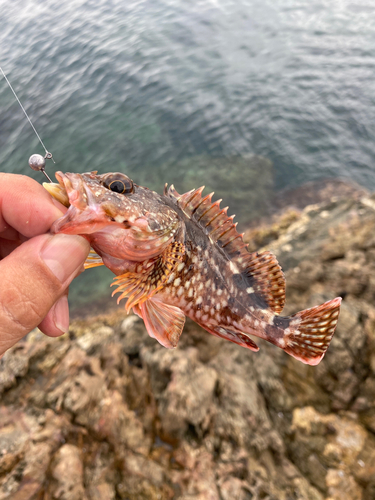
(26, 206)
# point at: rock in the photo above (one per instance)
(135, 334)
(67, 474)
(341, 486)
(233, 487)
(100, 474)
(27, 445)
(93, 339)
(102, 491)
(185, 397)
(14, 363)
(113, 421)
(330, 447)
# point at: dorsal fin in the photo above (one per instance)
(265, 277)
(261, 270)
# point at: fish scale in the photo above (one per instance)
(197, 289)
(181, 255)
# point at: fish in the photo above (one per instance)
(180, 255)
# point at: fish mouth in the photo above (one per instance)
(57, 192)
(70, 190)
(84, 215)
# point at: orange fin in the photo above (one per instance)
(261, 271)
(163, 322)
(238, 338)
(93, 260)
(309, 333)
(150, 276)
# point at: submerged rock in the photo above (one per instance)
(106, 413)
(231, 178)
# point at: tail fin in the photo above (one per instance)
(309, 333)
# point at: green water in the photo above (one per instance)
(163, 89)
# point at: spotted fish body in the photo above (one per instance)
(181, 255)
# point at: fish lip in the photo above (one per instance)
(69, 191)
(57, 192)
(75, 188)
(84, 215)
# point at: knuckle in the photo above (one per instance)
(23, 314)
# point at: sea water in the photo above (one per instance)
(150, 86)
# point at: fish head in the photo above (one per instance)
(121, 220)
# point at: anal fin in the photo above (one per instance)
(163, 322)
(238, 338)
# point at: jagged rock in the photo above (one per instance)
(90, 340)
(13, 365)
(341, 486)
(188, 393)
(67, 474)
(134, 333)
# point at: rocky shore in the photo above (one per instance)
(106, 413)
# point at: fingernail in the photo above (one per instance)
(61, 314)
(64, 254)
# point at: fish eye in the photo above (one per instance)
(119, 183)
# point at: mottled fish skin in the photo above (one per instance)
(211, 290)
(204, 284)
(181, 255)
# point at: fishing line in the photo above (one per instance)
(35, 162)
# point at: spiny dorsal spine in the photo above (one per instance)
(262, 268)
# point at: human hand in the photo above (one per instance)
(35, 268)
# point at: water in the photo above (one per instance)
(132, 86)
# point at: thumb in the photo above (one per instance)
(32, 278)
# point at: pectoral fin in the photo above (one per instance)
(139, 286)
(163, 322)
(93, 260)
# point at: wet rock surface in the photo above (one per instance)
(106, 413)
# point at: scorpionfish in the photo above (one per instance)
(181, 255)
